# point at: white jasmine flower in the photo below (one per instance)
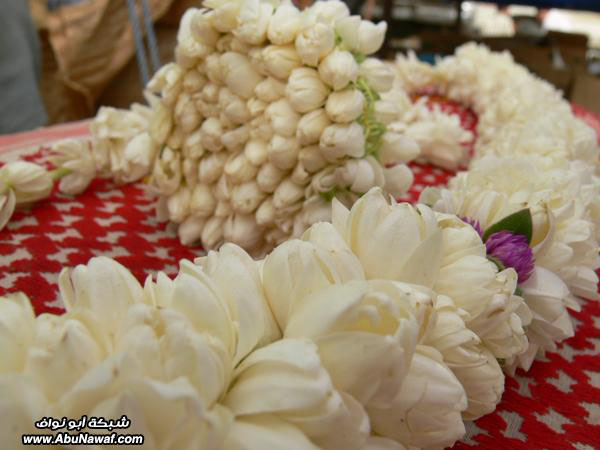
(139, 155)
(242, 229)
(17, 331)
(223, 209)
(547, 297)
(265, 214)
(340, 140)
(187, 43)
(178, 204)
(266, 431)
(327, 12)
(76, 156)
(311, 126)
(167, 81)
(21, 404)
(496, 315)
(193, 81)
(367, 229)
(202, 202)
(473, 365)
(234, 140)
(246, 197)
(345, 106)
(235, 109)
(202, 29)
(314, 209)
(256, 108)
(270, 90)
(192, 145)
(359, 175)
(238, 282)
(222, 188)
(379, 75)
(285, 24)
(211, 134)
(387, 111)
(212, 68)
(300, 175)
(269, 176)
(381, 443)
(287, 193)
(397, 148)
(239, 170)
(314, 43)
(103, 290)
(189, 167)
(361, 36)
(7, 207)
(419, 415)
(212, 233)
(175, 139)
(255, 152)
(280, 60)
(284, 120)
(166, 174)
(398, 180)
(28, 181)
(338, 69)
(312, 159)
(283, 152)
(190, 230)
(253, 21)
(225, 14)
(211, 167)
(441, 138)
(265, 376)
(238, 74)
(211, 92)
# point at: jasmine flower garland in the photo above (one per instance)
(270, 125)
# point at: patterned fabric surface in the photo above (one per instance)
(556, 405)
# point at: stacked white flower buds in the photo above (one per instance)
(266, 115)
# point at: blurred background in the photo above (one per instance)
(62, 59)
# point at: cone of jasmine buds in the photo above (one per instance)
(266, 115)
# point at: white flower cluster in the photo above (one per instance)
(381, 331)
(531, 152)
(518, 113)
(266, 115)
(564, 200)
(22, 182)
(426, 134)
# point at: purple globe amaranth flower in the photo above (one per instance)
(512, 250)
(474, 223)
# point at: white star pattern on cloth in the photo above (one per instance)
(563, 383)
(524, 383)
(554, 420)
(594, 378)
(513, 425)
(593, 410)
(472, 430)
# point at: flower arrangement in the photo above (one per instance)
(383, 329)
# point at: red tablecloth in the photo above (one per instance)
(555, 405)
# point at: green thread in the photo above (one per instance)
(57, 174)
(373, 129)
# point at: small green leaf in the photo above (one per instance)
(519, 291)
(517, 223)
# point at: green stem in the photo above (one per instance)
(57, 174)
